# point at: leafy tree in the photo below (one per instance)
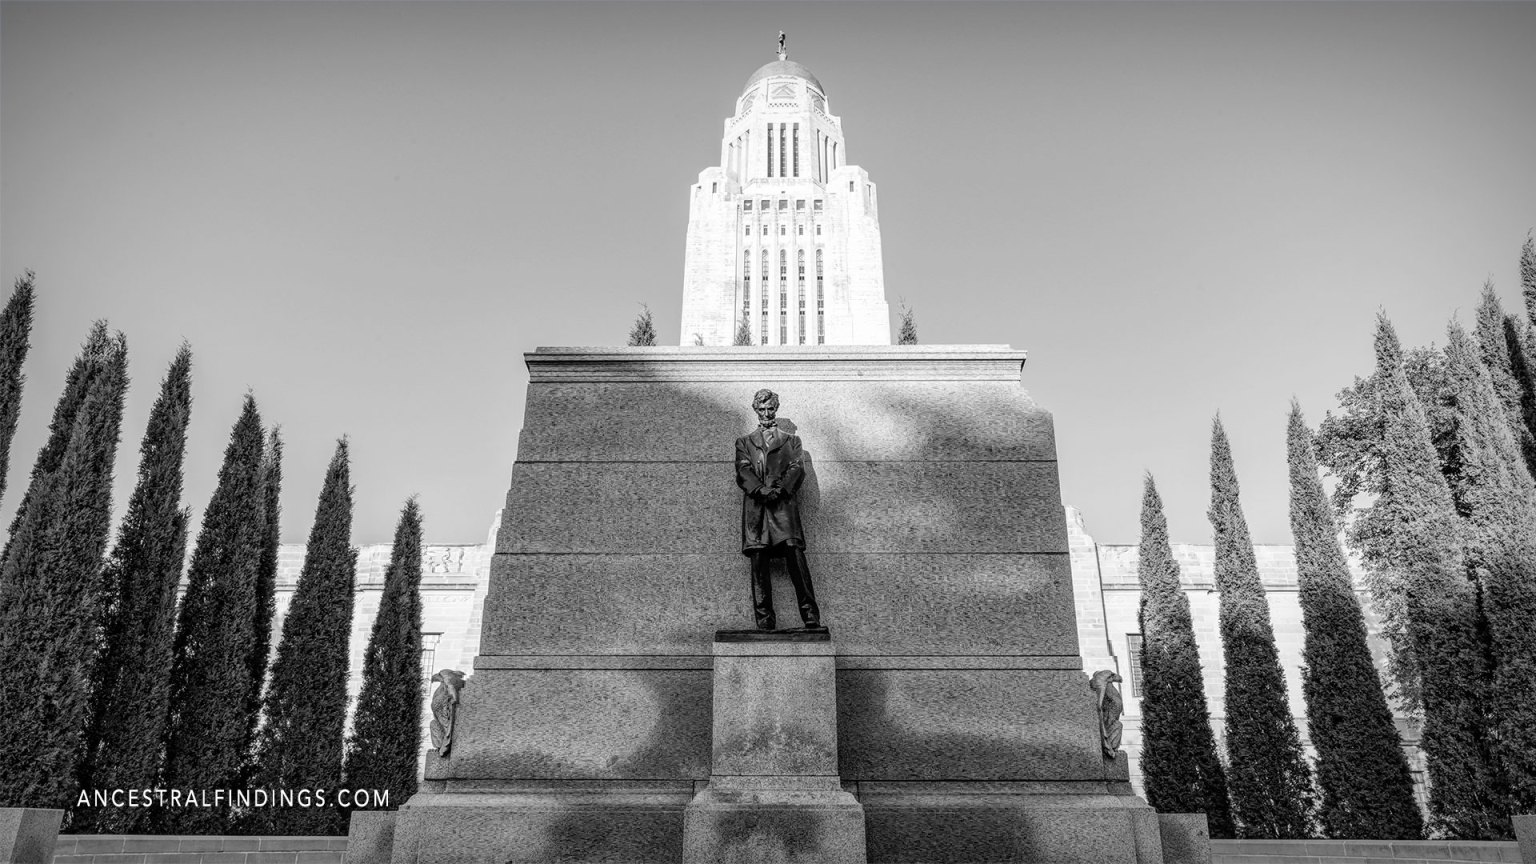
(207, 738)
(743, 332)
(300, 744)
(385, 746)
(1181, 772)
(52, 605)
(1267, 773)
(1350, 445)
(908, 333)
(265, 607)
(1498, 497)
(1367, 790)
(1412, 532)
(15, 339)
(1503, 357)
(132, 691)
(643, 333)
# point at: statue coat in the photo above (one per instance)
(759, 467)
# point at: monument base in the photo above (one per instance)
(774, 826)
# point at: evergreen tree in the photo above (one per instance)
(1528, 278)
(1351, 446)
(1367, 790)
(1522, 357)
(15, 339)
(53, 602)
(141, 575)
(1411, 530)
(1499, 499)
(385, 746)
(643, 333)
(1267, 772)
(207, 737)
(1494, 346)
(908, 333)
(265, 607)
(743, 332)
(300, 745)
(1180, 770)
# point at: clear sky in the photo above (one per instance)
(364, 213)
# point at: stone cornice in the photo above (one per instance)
(776, 363)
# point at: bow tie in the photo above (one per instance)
(769, 425)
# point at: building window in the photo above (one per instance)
(783, 297)
(850, 185)
(747, 205)
(763, 306)
(815, 205)
(763, 204)
(799, 203)
(783, 131)
(797, 149)
(714, 187)
(747, 230)
(746, 285)
(782, 230)
(800, 291)
(783, 203)
(770, 149)
(765, 230)
(1133, 654)
(818, 230)
(821, 323)
(428, 660)
(800, 229)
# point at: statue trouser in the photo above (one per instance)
(799, 576)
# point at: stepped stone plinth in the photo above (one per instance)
(774, 792)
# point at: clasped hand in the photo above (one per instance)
(768, 494)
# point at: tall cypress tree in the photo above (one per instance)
(1367, 790)
(265, 605)
(300, 745)
(1267, 772)
(50, 623)
(132, 690)
(15, 339)
(385, 746)
(1499, 499)
(77, 383)
(1528, 278)
(1504, 359)
(908, 332)
(1412, 531)
(1180, 770)
(207, 737)
(1351, 445)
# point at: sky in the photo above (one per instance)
(364, 213)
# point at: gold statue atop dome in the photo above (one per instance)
(783, 54)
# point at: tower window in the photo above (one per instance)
(783, 297)
(800, 292)
(850, 185)
(818, 230)
(783, 131)
(747, 205)
(770, 149)
(800, 229)
(783, 203)
(747, 231)
(429, 642)
(1133, 653)
(765, 230)
(763, 330)
(821, 322)
(714, 187)
(781, 230)
(746, 285)
(763, 204)
(815, 205)
(797, 149)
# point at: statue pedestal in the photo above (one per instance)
(774, 793)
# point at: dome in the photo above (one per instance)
(783, 67)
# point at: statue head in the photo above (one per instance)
(766, 403)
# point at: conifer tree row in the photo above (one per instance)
(207, 736)
(51, 602)
(1362, 773)
(1528, 279)
(15, 339)
(1505, 358)
(1412, 530)
(644, 331)
(908, 333)
(140, 578)
(385, 744)
(1498, 497)
(1267, 774)
(300, 744)
(265, 606)
(1180, 769)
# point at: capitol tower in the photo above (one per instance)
(784, 235)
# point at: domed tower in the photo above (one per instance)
(783, 233)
